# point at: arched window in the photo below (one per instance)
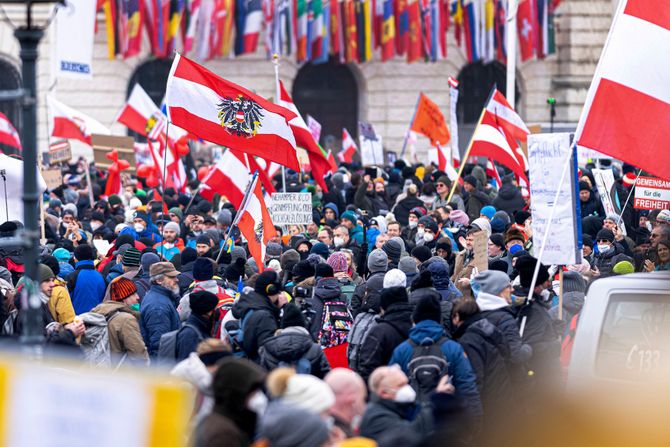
(152, 76)
(10, 79)
(475, 83)
(329, 93)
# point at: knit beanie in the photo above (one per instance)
(177, 212)
(422, 253)
(202, 302)
(427, 308)
(203, 269)
(225, 217)
(303, 269)
(488, 211)
(114, 200)
(338, 261)
(62, 255)
(392, 295)
(264, 280)
(238, 252)
(350, 216)
(131, 258)
(172, 226)
(378, 261)
(188, 255)
(141, 215)
(320, 249)
(503, 216)
(459, 217)
(408, 265)
(526, 267)
(429, 223)
(323, 270)
(147, 260)
(235, 270)
(471, 179)
(498, 240)
(288, 259)
(395, 278)
(499, 265)
(573, 282)
(309, 393)
(273, 251)
(44, 273)
(291, 426)
(393, 249)
(520, 217)
(492, 282)
(121, 288)
(605, 234)
(291, 316)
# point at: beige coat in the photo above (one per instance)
(463, 270)
(124, 330)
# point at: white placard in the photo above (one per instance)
(652, 194)
(605, 185)
(11, 188)
(372, 150)
(547, 155)
(75, 23)
(291, 208)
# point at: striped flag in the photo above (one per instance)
(255, 222)
(349, 148)
(69, 123)
(8, 134)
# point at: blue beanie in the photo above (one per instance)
(488, 211)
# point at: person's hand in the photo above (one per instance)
(595, 272)
(618, 234)
(649, 266)
(445, 385)
(528, 228)
(464, 282)
(76, 327)
(366, 178)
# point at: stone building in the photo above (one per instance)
(382, 93)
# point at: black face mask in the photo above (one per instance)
(303, 255)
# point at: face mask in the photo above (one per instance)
(135, 307)
(648, 225)
(338, 241)
(319, 195)
(197, 233)
(168, 245)
(138, 227)
(603, 248)
(428, 237)
(257, 402)
(405, 395)
(303, 255)
(95, 226)
(516, 300)
(413, 223)
(420, 232)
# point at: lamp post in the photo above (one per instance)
(29, 35)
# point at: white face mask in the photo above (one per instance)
(95, 226)
(649, 226)
(428, 237)
(138, 227)
(405, 395)
(603, 248)
(257, 402)
(420, 232)
(413, 223)
(168, 245)
(338, 241)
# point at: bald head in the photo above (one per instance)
(386, 380)
(343, 380)
(350, 394)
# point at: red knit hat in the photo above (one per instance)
(629, 179)
(121, 288)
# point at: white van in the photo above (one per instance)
(623, 333)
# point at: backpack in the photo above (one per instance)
(167, 345)
(427, 366)
(95, 341)
(336, 322)
(364, 322)
(301, 366)
(236, 336)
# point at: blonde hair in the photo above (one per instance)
(277, 381)
(209, 345)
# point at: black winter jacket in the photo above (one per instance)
(367, 295)
(327, 289)
(509, 199)
(475, 202)
(383, 417)
(188, 338)
(402, 209)
(289, 346)
(261, 325)
(445, 306)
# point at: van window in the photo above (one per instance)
(634, 342)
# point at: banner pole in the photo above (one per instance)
(510, 37)
(465, 158)
(243, 206)
(404, 143)
(630, 193)
(560, 294)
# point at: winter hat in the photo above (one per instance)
(225, 217)
(392, 295)
(288, 259)
(520, 217)
(131, 258)
(71, 208)
(235, 379)
(188, 255)
(418, 211)
(503, 216)
(444, 179)
(393, 250)
(44, 273)
(587, 240)
(408, 266)
(623, 268)
(663, 217)
(303, 269)
(459, 217)
(97, 215)
(121, 288)
(204, 239)
(514, 235)
(238, 252)
(629, 179)
(498, 240)
(517, 251)
(202, 302)
(172, 226)
(203, 269)
(498, 265)
(235, 270)
(492, 282)
(114, 200)
(320, 249)
(497, 225)
(291, 316)
(583, 186)
(273, 251)
(204, 207)
(605, 234)
(308, 392)
(338, 261)
(483, 224)
(429, 223)
(141, 215)
(526, 267)
(83, 252)
(427, 308)
(471, 179)
(323, 270)
(62, 255)
(422, 253)
(400, 242)
(264, 282)
(122, 249)
(147, 260)
(488, 211)
(395, 278)
(350, 216)
(378, 261)
(177, 212)
(573, 282)
(291, 426)
(613, 217)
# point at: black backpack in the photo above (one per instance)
(427, 366)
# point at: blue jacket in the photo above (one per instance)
(115, 272)
(158, 315)
(356, 234)
(86, 287)
(155, 237)
(463, 377)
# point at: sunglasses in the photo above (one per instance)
(603, 240)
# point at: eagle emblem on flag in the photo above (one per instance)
(259, 231)
(240, 116)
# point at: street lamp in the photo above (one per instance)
(29, 34)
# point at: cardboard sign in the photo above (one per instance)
(289, 208)
(481, 250)
(103, 144)
(59, 152)
(53, 178)
(652, 194)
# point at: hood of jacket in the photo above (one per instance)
(426, 329)
(289, 345)
(573, 301)
(508, 191)
(192, 370)
(487, 301)
(439, 271)
(252, 300)
(107, 308)
(333, 207)
(327, 289)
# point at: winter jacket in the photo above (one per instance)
(369, 201)
(509, 199)
(367, 295)
(384, 416)
(193, 371)
(157, 316)
(114, 272)
(185, 278)
(475, 202)
(605, 262)
(188, 338)
(445, 306)
(591, 207)
(572, 305)
(261, 324)
(497, 311)
(327, 289)
(487, 352)
(169, 253)
(216, 430)
(124, 331)
(86, 287)
(402, 209)
(60, 304)
(391, 329)
(289, 346)
(356, 234)
(463, 269)
(463, 377)
(155, 237)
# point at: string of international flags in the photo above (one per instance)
(350, 31)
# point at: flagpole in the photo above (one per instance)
(238, 215)
(404, 144)
(275, 63)
(510, 37)
(165, 151)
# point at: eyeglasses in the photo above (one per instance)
(603, 240)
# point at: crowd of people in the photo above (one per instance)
(371, 325)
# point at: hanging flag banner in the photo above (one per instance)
(605, 183)
(652, 194)
(372, 151)
(547, 155)
(291, 208)
(75, 24)
(453, 119)
(11, 189)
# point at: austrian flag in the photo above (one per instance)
(221, 112)
(255, 223)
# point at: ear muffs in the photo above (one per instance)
(272, 289)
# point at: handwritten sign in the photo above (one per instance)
(480, 248)
(372, 150)
(652, 194)
(53, 178)
(289, 208)
(547, 156)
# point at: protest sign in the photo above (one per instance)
(59, 152)
(75, 23)
(547, 157)
(481, 250)
(605, 185)
(103, 144)
(372, 151)
(53, 178)
(652, 194)
(291, 208)
(314, 128)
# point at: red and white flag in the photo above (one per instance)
(224, 113)
(8, 133)
(526, 22)
(255, 223)
(349, 148)
(229, 177)
(444, 162)
(504, 115)
(69, 123)
(627, 109)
